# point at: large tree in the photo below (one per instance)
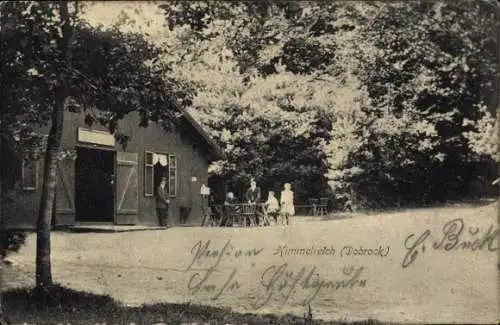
(56, 62)
(265, 105)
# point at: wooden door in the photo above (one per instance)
(65, 192)
(127, 188)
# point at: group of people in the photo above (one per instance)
(284, 207)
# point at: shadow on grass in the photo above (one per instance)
(67, 306)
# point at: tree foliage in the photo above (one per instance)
(429, 76)
(259, 116)
(53, 61)
(111, 72)
(405, 88)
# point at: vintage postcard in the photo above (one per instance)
(249, 162)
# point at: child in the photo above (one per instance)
(272, 206)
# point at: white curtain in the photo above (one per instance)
(159, 158)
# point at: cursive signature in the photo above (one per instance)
(204, 253)
(454, 236)
(280, 280)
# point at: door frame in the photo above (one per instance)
(103, 148)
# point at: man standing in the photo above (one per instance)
(252, 195)
(162, 203)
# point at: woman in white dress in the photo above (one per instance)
(287, 207)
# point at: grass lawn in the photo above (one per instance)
(142, 277)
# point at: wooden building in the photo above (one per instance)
(107, 183)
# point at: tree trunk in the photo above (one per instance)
(3, 321)
(3, 318)
(43, 265)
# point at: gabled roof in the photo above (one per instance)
(189, 126)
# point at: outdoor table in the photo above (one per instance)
(243, 212)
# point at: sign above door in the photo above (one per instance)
(96, 137)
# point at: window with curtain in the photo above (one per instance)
(158, 165)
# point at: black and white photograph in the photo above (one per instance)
(249, 162)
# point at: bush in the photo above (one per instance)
(11, 241)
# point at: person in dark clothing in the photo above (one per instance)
(162, 203)
(229, 209)
(252, 195)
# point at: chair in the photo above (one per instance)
(314, 206)
(263, 214)
(323, 206)
(209, 217)
(221, 213)
(233, 213)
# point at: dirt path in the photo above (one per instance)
(153, 266)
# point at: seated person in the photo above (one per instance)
(272, 206)
(230, 199)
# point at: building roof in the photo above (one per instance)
(189, 127)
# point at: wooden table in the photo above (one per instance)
(245, 214)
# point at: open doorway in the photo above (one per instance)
(94, 185)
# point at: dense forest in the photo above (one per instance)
(384, 104)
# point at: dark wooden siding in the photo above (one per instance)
(190, 162)
(22, 209)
